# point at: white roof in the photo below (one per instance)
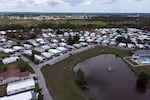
(81, 40)
(121, 44)
(130, 45)
(70, 47)
(62, 44)
(54, 51)
(1, 49)
(53, 45)
(92, 34)
(3, 32)
(66, 34)
(54, 40)
(45, 35)
(45, 47)
(39, 40)
(77, 45)
(105, 41)
(18, 47)
(27, 46)
(35, 44)
(20, 85)
(112, 43)
(38, 57)
(144, 62)
(39, 49)
(28, 52)
(47, 54)
(61, 48)
(98, 41)
(83, 43)
(21, 96)
(10, 60)
(89, 40)
(8, 50)
(3, 39)
(140, 45)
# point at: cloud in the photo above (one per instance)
(109, 1)
(52, 3)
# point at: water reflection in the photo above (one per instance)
(104, 85)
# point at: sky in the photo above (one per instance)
(83, 6)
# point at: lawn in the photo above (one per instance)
(60, 81)
(131, 61)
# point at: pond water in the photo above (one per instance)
(117, 84)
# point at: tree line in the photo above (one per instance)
(74, 24)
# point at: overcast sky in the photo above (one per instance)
(98, 6)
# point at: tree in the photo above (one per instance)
(142, 81)
(70, 40)
(24, 66)
(76, 38)
(80, 78)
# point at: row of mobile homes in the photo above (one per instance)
(21, 96)
(20, 86)
(10, 59)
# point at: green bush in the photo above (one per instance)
(80, 78)
(24, 66)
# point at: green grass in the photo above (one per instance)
(131, 61)
(61, 82)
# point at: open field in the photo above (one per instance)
(60, 81)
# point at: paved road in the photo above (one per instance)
(37, 68)
(59, 58)
(40, 77)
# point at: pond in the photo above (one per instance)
(109, 78)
